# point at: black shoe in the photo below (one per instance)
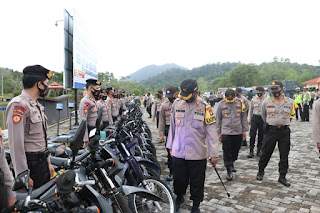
(229, 174)
(179, 201)
(177, 207)
(244, 143)
(283, 180)
(233, 169)
(260, 176)
(251, 155)
(169, 178)
(195, 210)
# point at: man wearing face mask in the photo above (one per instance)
(106, 113)
(232, 125)
(256, 121)
(27, 126)
(306, 98)
(89, 108)
(164, 123)
(157, 105)
(276, 112)
(191, 140)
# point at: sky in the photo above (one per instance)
(131, 34)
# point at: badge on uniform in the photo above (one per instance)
(178, 121)
(16, 118)
(209, 118)
(198, 102)
(18, 112)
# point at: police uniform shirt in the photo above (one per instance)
(316, 122)
(164, 116)
(106, 113)
(190, 137)
(111, 102)
(255, 107)
(89, 111)
(8, 180)
(231, 118)
(277, 114)
(157, 105)
(27, 126)
(123, 101)
(149, 101)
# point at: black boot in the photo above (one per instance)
(244, 143)
(260, 175)
(179, 201)
(233, 169)
(229, 174)
(283, 180)
(251, 155)
(195, 207)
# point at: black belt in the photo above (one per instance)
(37, 156)
(278, 127)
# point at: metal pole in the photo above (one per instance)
(70, 118)
(58, 122)
(76, 107)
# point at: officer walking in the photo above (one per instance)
(212, 97)
(89, 107)
(246, 103)
(305, 101)
(256, 121)
(27, 126)
(8, 197)
(316, 124)
(298, 100)
(232, 125)
(277, 112)
(191, 141)
(106, 113)
(164, 123)
(157, 105)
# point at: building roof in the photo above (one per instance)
(312, 81)
(55, 85)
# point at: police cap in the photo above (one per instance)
(260, 89)
(170, 91)
(239, 90)
(276, 84)
(230, 93)
(93, 82)
(188, 87)
(38, 70)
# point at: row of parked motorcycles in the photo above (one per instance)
(117, 172)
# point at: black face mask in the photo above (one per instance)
(43, 92)
(259, 94)
(276, 94)
(191, 99)
(171, 99)
(96, 93)
(104, 97)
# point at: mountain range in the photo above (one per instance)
(151, 71)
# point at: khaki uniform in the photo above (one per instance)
(277, 117)
(316, 122)
(89, 111)
(164, 117)
(8, 179)
(255, 107)
(112, 103)
(157, 105)
(27, 126)
(106, 114)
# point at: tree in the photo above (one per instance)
(244, 75)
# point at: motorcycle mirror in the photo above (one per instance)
(99, 118)
(21, 181)
(78, 138)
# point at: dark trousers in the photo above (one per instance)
(300, 112)
(39, 172)
(166, 131)
(149, 110)
(305, 112)
(311, 103)
(189, 172)
(271, 137)
(157, 117)
(256, 124)
(231, 145)
(3, 197)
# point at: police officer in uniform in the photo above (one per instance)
(106, 113)
(316, 124)
(149, 104)
(164, 123)
(232, 125)
(27, 126)
(246, 103)
(256, 121)
(157, 105)
(305, 101)
(7, 196)
(298, 100)
(89, 108)
(211, 98)
(192, 140)
(277, 112)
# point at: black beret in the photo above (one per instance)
(260, 89)
(37, 70)
(239, 90)
(93, 82)
(188, 87)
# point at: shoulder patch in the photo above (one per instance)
(19, 110)
(209, 117)
(16, 118)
